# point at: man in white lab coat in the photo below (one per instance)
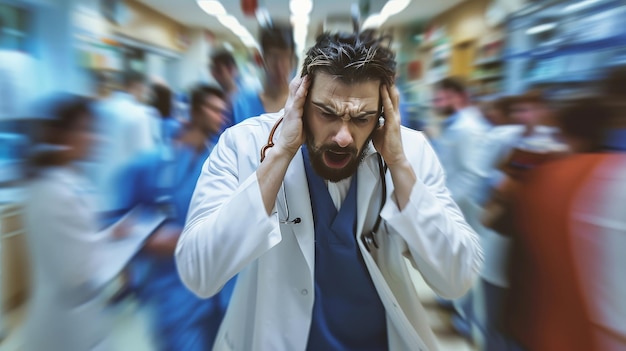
(125, 128)
(460, 146)
(316, 208)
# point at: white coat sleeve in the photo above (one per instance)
(469, 153)
(442, 245)
(227, 225)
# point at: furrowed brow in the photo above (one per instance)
(325, 108)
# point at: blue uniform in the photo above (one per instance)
(347, 313)
(247, 104)
(181, 321)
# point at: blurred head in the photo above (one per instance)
(343, 103)
(135, 84)
(450, 96)
(68, 135)
(208, 108)
(277, 45)
(224, 69)
(529, 109)
(614, 91)
(583, 124)
(162, 100)
(497, 111)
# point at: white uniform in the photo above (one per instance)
(228, 231)
(64, 312)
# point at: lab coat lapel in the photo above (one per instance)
(296, 193)
(366, 186)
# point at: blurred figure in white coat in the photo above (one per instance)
(64, 312)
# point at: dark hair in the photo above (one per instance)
(133, 77)
(201, 92)
(162, 100)
(223, 57)
(586, 119)
(276, 35)
(532, 96)
(66, 113)
(352, 57)
(614, 83)
(454, 84)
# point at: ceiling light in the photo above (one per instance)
(374, 21)
(541, 28)
(229, 21)
(393, 7)
(579, 6)
(212, 7)
(303, 7)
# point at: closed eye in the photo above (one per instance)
(329, 115)
(362, 120)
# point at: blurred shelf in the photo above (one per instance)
(487, 77)
(489, 61)
(564, 49)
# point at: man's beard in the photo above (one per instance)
(316, 156)
(445, 111)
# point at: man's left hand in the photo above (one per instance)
(387, 139)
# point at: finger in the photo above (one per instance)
(295, 84)
(301, 93)
(391, 113)
(395, 97)
(384, 94)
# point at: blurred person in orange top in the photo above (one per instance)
(565, 292)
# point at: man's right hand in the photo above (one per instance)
(272, 171)
(291, 136)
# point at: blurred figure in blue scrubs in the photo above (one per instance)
(279, 61)
(162, 101)
(166, 179)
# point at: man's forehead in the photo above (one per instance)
(328, 85)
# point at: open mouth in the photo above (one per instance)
(336, 159)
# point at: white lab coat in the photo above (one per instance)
(228, 232)
(126, 129)
(65, 312)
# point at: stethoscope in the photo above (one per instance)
(368, 239)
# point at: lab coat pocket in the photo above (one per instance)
(390, 275)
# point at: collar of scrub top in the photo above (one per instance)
(368, 238)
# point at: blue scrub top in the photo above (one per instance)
(181, 321)
(247, 104)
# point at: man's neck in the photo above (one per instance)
(273, 98)
(195, 137)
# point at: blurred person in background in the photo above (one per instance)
(288, 202)
(458, 147)
(167, 125)
(614, 92)
(566, 286)
(279, 61)
(102, 85)
(166, 178)
(223, 68)
(125, 128)
(526, 138)
(65, 311)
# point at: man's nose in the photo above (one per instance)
(343, 137)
